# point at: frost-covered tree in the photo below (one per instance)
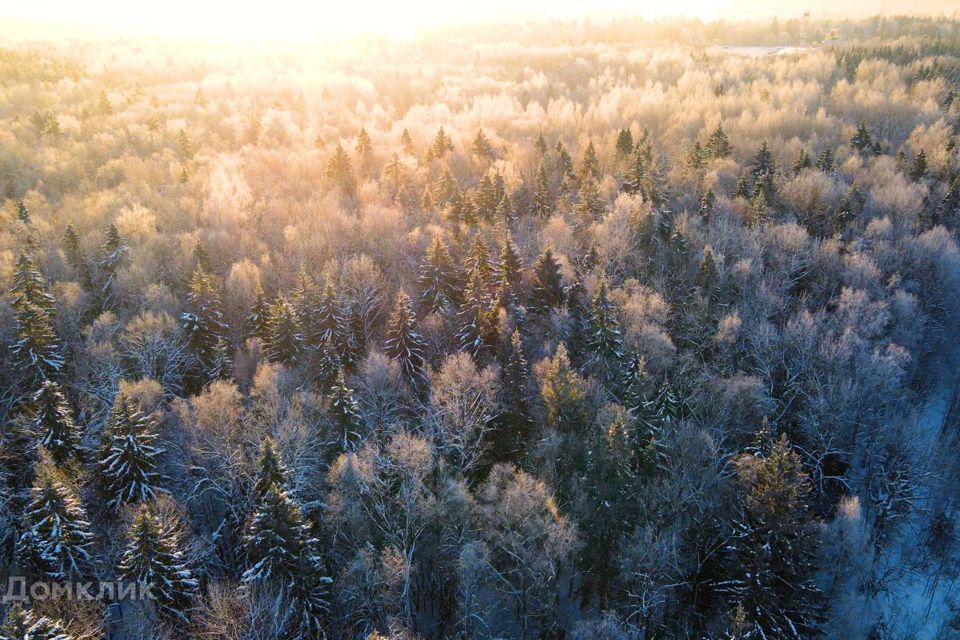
(438, 279)
(270, 470)
(285, 340)
(345, 415)
(563, 393)
(542, 197)
(509, 272)
(774, 548)
(24, 624)
(604, 336)
(56, 539)
(29, 286)
(53, 422)
(403, 343)
(283, 554)
(154, 557)
(546, 291)
(203, 323)
(718, 145)
(128, 461)
(113, 252)
(327, 323)
(476, 318)
(36, 350)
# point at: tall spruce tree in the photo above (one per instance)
(718, 145)
(476, 318)
(282, 553)
(403, 343)
(112, 253)
(128, 457)
(515, 421)
(438, 279)
(203, 323)
(36, 349)
(270, 469)
(547, 287)
(56, 539)
(285, 339)
(53, 423)
(509, 272)
(774, 548)
(604, 337)
(154, 558)
(327, 323)
(542, 198)
(345, 414)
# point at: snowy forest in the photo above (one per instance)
(615, 330)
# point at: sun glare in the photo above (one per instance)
(295, 20)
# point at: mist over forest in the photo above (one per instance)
(597, 329)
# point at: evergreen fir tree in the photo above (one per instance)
(696, 158)
(542, 198)
(29, 286)
(708, 275)
(364, 147)
(774, 548)
(23, 624)
(258, 321)
(356, 344)
(128, 458)
(591, 206)
(270, 469)
(340, 172)
(36, 350)
(636, 172)
(221, 361)
(718, 145)
(72, 250)
(624, 145)
(324, 364)
(327, 321)
(605, 338)
(509, 272)
(547, 286)
(406, 142)
(476, 318)
(540, 145)
(113, 251)
(403, 343)
(861, 140)
(153, 558)
(802, 162)
(345, 414)
(438, 279)
(707, 206)
(441, 144)
(505, 213)
(56, 541)
(283, 553)
(478, 261)
(825, 160)
(563, 393)
(762, 163)
(515, 420)
(54, 423)
(743, 188)
(203, 323)
(481, 147)
(285, 341)
(919, 168)
(184, 148)
(590, 165)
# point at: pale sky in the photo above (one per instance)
(301, 19)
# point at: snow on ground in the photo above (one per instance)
(921, 593)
